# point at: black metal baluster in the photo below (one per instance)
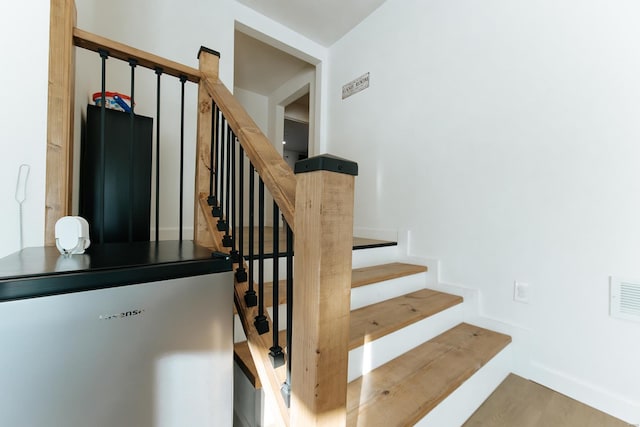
(216, 210)
(211, 200)
(261, 323)
(183, 80)
(234, 219)
(159, 72)
(104, 55)
(285, 390)
(132, 63)
(275, 352)
(221, 226)
(226, 240)
(241, 273)
(250, 297)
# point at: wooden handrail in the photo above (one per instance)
(93, 42)
(274, 171)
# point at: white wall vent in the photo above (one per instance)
(625, 298)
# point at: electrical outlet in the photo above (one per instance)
(521, 292)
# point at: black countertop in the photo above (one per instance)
(43, 271)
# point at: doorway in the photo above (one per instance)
(273, 85)
(295, 141)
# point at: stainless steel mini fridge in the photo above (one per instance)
(157, 353)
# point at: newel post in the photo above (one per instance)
(321, 301)
(60, 114)
(209, 65)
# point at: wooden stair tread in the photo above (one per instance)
(379, 273)
(242, 356)
(404, 390)
(376, 320)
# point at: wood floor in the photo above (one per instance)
(522, 403)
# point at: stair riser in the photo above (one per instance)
(374, 256)
(463, 402)
(374, 354)
(360, 258)
(377, 292)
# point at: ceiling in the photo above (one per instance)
(323, 21)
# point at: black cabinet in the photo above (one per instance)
(122, 202)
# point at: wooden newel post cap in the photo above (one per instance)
(327, 162)
(207, 50)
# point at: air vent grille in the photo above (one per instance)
(625, 299)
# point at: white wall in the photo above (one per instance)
(174, 30)
(24, 43)
(257, 106)
(504, 135)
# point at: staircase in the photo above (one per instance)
(414, 354)
(413, 359)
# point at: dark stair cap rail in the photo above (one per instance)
(327, 162)
(207, 50)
